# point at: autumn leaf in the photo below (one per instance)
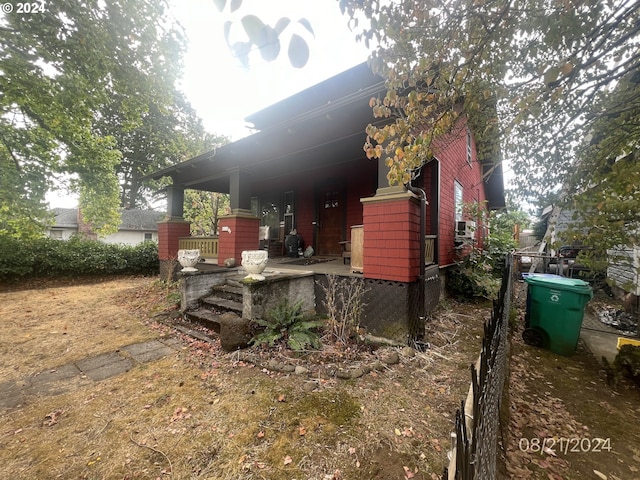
(408, 473)
(281, 397)
(260, 434)
(302, 431)
(287, 460)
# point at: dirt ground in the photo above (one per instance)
(567, 419)
(202, 413)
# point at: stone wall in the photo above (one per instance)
(259, 298)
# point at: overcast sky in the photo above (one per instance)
(223, 92)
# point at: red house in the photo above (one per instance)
(305, 168)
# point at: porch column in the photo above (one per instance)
(240, 190)
(240, 230)
(175, 201)
(171, 229)
(391, 236)
(383, 182)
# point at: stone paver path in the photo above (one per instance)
(66, 378)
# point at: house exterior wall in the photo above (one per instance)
(357, 177)
(451, 151)
(61, 233)
(624, 268)
(128, 237)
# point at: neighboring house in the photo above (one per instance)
(623, 267)
(305, 169)
(137, 226)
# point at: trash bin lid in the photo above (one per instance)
(561, 283)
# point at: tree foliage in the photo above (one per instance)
(540, 75)
(556, 73)
(203, 209)
(88, 91)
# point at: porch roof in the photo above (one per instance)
(321, 126)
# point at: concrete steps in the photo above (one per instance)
(222, 304)
(205, 318)
(223, 299)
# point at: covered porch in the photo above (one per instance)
(304, 173)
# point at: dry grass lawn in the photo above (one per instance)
(201, 413)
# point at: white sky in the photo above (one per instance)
(223, 92)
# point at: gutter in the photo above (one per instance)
(416, 328)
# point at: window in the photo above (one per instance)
(457, 189)
(468, 146)
(331, 199)
(148, 236)
(56, 234)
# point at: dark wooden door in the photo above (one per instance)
(331, 220)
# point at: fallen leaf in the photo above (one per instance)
(302, 431)
(397, 432)
(260, 434)
(600, 475)
(352, 451)
(408, 473)
(281, 397)
(287, 460)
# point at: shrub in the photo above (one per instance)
(47, 257)
(344, 304)
(287, 323)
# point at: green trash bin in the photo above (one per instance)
(556, 309)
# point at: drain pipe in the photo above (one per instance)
(416, 329)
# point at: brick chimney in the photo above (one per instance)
(85, 229)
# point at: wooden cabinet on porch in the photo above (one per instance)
(357, 248)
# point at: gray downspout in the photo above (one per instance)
(416, 328)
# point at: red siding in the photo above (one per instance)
(452, 153)
(243, 236)
(392, 239)
(169, 234)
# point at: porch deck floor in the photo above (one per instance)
(328, 265)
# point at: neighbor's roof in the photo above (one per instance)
(65, 217)
(134, 219)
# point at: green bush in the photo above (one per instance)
(287, 323)
(43, 257)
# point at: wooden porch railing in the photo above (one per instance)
(208, 246)
(429, 250)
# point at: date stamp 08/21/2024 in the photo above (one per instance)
(22, 7)
(564, 445)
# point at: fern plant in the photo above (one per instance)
(287, 323)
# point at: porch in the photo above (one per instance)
(390, 307)
(350, 263)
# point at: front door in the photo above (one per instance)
(331, 220)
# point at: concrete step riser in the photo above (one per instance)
(205, 318)
(228, 293)
(222, 304)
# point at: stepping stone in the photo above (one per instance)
(148, 351)
(105, 366)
